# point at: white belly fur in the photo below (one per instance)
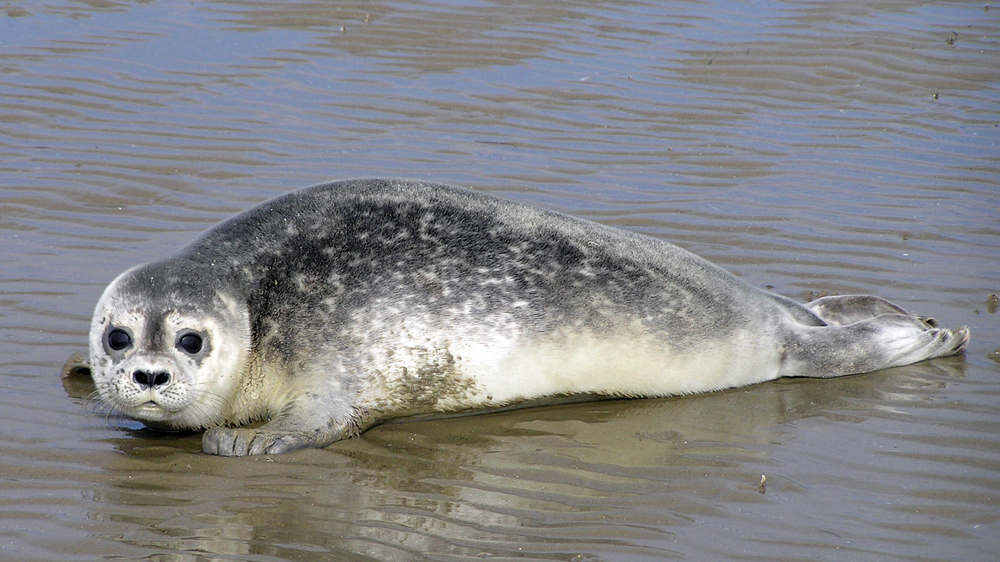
(587, 363)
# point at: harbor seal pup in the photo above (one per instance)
(330, 309)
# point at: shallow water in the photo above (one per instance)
(812, 147)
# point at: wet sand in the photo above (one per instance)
(812, 148)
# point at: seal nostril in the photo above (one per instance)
(150, 380)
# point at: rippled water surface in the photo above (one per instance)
(812, 147)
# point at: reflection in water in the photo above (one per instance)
(839, 147)
(629, 476)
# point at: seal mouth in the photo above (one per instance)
(150, 411)
(159, 418)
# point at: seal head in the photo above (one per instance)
(169, 348)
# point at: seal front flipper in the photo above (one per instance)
(239, 441)
(282, 435)
(888, 340)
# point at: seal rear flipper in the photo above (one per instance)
(889, 340)
(848, 309)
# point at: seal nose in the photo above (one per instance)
(150, 380)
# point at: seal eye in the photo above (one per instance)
(190, 343)
(119, 339)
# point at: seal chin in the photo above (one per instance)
(165, 417)
(163, 427)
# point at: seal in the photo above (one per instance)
(330, 309)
